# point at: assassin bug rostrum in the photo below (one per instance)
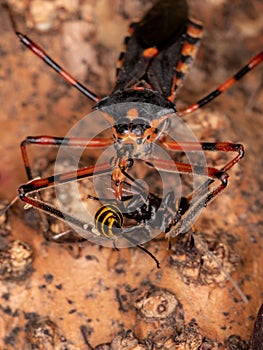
(150, 71)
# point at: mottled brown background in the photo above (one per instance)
(35, 101)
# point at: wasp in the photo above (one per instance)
(142, 214)
(139, 110)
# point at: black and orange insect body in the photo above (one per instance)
(141, 112)
(159, 51)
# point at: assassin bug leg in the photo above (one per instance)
(176, 45)
(224, 86)
(149, 75)
(34, 186)
(208, 146)
(44, 140)
(29, 193)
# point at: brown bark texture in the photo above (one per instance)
(57, 296)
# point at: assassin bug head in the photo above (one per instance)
(138, 117)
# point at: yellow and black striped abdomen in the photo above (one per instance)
(109, 220)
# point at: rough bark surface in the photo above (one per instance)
(53, 299)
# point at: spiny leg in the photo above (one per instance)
(58, 214)
(224, 86)
(209, 146)
(198, 200)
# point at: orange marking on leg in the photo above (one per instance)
(120, 63)
(227, 84)
(67, 77)
(189, 109)
(182, 67)
(256, 60)
(40, 182)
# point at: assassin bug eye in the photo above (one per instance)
(130, 162)
(122, 129)
(137, 129)
(138, 126)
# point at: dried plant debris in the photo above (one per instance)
(235, 342)
(16, 261)
(204, 263)
(127, 341)
(43, 334)
(161, 323)
(191, 339)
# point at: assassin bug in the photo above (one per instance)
(149, 72)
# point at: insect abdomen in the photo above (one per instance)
(109, 220)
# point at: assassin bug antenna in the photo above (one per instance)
(11, 16)
(37, 50)
(9, 205)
